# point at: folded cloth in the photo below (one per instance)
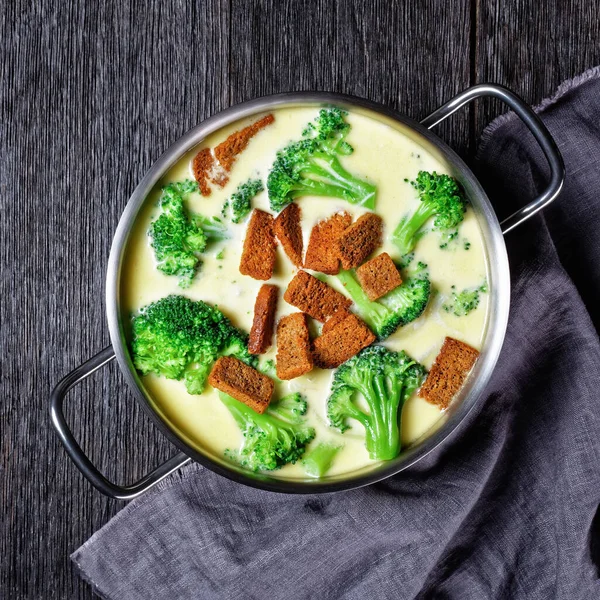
(507, 508)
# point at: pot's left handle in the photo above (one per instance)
(82, 462)
(535, 126)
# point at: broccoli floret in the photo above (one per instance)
(311, 166)
(269, 368)
(289, 408)
(240, 202)
(464, 302)
(405, 260)
(385, 380)
(214, 229)
(441, 197)
(398, 307)
(180, 338)
(269, 441)
(179, 237)
(319, 459)
(448, 239)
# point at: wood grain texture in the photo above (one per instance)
(382, 50)
(92, 93)
(96, 92)
(532, 47)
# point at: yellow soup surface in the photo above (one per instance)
(382, 155)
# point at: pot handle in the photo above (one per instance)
(82, 462)
(535, 126)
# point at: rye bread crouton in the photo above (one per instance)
(213, 166)
(378, 276)
(227, 152)
(294, 356)
(201, 167)
(259, 253)
(360, 239)
(340, 315)
(242, 382)
(289, 232)
(314, 297)
(345, 339)
(261, 332)
(322, 251)
(448, 373)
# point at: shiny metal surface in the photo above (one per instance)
(128, 492)
(498, 273)
(535, 126)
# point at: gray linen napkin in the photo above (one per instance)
(509, 508)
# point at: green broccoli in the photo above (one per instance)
(240, 202)
(180, 338)
(398, 307)
(441, 197)
(311, 166)
(385, 380)
(277, 437)
(179, 237)
(405, 260)
(289, 408)
(318, 460)
(269, 368)
(464, 302)
(214, 229)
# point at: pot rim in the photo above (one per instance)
(497, 272)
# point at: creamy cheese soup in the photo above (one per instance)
(382, 155)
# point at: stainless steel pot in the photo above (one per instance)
(499, 281)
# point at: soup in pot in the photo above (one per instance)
(352, 259)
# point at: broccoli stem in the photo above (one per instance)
(363, 192)
(333, 181)
(242, 414)
(319, 460)
(214, 229)
(315, 187)
(394, 416)
(383, 438)
(356, 414)
(404, 234)
(235, 408)
(373, 313)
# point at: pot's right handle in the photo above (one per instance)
(82, 462)
(532, 122)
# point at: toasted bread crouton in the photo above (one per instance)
(294, 357)
(378, 276)
(340, 315)
(261, 332)
(448, 373)
(242, 382)
(314, 297)
(289, 232)
(322, 251)
(259, 253)
(226, 152)
(360, 240)
(345, 339)
(201, 167)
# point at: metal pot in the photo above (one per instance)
(498, 270)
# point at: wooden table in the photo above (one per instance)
(92, 93)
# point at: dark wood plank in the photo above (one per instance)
(533, 47)
(92, 94)
(412, 56)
